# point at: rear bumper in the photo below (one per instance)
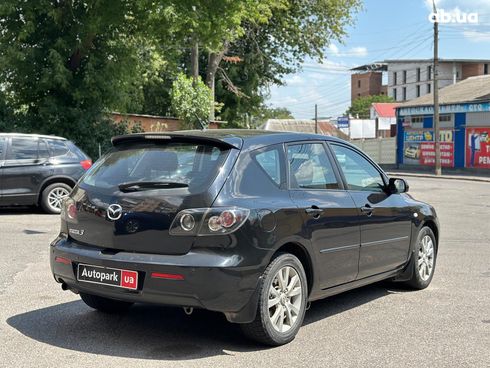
(210, 280)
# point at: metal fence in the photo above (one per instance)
(381, 150)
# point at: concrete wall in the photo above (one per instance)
(382, 151)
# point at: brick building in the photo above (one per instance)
(367, 81)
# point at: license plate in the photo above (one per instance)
(108, 276)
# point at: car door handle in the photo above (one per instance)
(367, 209)
(314, 211)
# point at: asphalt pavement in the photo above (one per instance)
(446, 325)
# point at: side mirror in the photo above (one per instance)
(398, 185)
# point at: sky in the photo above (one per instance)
(384, 29)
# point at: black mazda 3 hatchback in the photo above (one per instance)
(253, 224)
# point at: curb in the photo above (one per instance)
(432, 176)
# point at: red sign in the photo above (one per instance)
(428, 154)
(478, 147)
(129, 279)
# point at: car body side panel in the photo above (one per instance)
(385, 234)
(334, 235)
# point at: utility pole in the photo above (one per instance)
(316, 119)
(438, 171)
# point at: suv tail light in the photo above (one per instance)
(86, 164)
(209, 221)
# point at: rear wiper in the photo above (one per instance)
(147, 185)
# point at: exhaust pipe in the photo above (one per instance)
(188, 310)
(64, 286)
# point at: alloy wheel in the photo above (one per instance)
(426, 258)
(55, 197)
(285, 299)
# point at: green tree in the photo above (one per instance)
(270, 50)
(190, 100)
(66, 62)
(361, 106)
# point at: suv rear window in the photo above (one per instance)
(193, 164)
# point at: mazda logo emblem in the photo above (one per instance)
(114, 212)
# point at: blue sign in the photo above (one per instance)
(342, 122)
(445, 109)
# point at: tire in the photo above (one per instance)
(422, 273)
(263, 329)
(105, 305)
(51, 197)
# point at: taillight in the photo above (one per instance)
(69, 210)
(86, 164)
(209, 221)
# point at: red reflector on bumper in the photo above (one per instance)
(62, 260)
(168, 276)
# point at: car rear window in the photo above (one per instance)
(193, 164)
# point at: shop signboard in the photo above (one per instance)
(419, 147)
(478, 147)
(343, 122)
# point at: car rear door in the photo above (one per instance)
(24, 170)
(330, 216)
(385, 218)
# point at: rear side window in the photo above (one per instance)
(23, 149)
(185, 163)
(43, 149)
(269, 161)
(57, 147)
(76, 151)
(310, 167)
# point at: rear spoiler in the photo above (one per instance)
(231, 142)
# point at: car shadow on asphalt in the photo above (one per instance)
(153, 332)
(23, 210)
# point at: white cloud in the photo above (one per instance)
(479, 6)
(333, 48)
(358, 51)
(295, 80)
(326, 66)
(477, 36)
